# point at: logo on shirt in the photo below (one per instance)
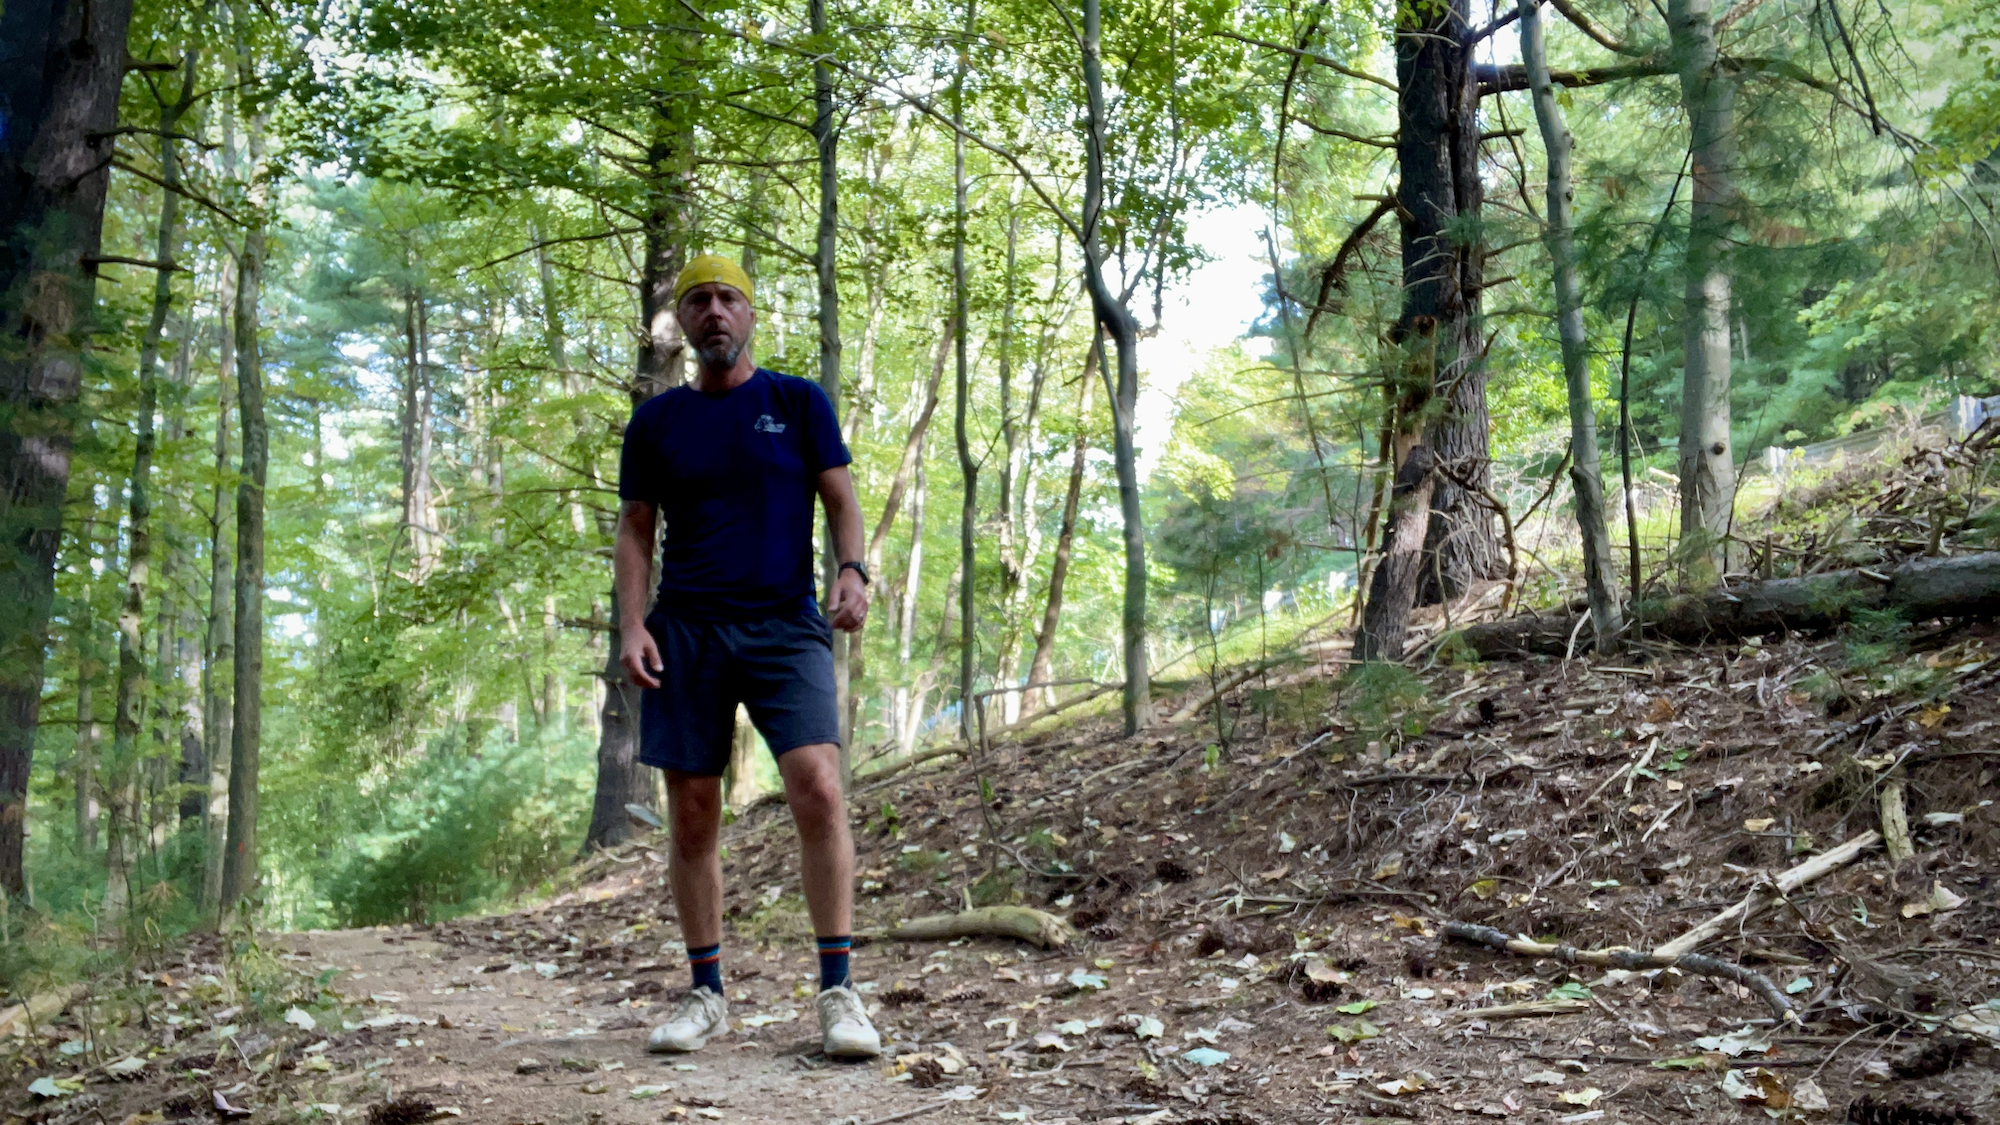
(764, 425)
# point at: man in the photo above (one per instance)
(733, 461)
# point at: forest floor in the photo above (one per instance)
(1261, 929)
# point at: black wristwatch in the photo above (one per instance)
(856, 568)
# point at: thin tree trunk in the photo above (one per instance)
(1586, 477)
(1116, 320)
(906, 618)
(239, 865)
(124, 765)
(1011, 432)
(67, 58)
(83, 763)
(1707, 474)
(1045, 637)
(826, 139)
(621, 779)
(968, 469)
(913, 453)
(218, 645)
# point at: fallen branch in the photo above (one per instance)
(951, 749)
(1222, 687)
(1896, 842)
(1036, 927)
(1697, 963)
(1519, 1011)
(1789, 880)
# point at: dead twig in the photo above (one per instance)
(1696, 963)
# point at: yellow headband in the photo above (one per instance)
(706, 268)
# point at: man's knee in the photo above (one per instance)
(812, 785)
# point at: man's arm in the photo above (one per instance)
(847, 603)
(631, 573)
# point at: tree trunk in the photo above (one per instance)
(218, 645)
(1398, 576)
(124, 765)
(1439, 198)
(83, 762)
(1707, 474)
(906, 620)
(239, 864)
(621, 779)
(826, 140)
(968, 469)
(1967, 586)
(1585, 475)
(67, 58)
(1045, 637)
(1116, 320)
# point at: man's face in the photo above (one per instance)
(717, 320)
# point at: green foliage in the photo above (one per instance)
(465, 831)
(1385, 700)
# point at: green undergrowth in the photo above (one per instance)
(464, 832)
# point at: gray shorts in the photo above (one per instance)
(779, 669)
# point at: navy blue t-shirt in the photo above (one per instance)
(735, 476)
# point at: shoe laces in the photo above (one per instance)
(842, 1004)
(693, 1007)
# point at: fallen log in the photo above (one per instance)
(1036, 927)
(38, 1009)
(1965, 586)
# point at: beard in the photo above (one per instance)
(720, 356)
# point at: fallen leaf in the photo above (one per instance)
(960, 1093)
(1943, 898)
(1807, 1096)
(1761, 1086)
(1206, 1056)
(223, 1107)
(131, 1064)
(1356, 1008)
(1759, 824)
(641, 1093)
(1544, 1078)
(1049, 1041)
(1735, 1043)
(1353, 1033)
(1408, 1084)
(1585, 1097)
(1079, 978)
(301, 1019)
(46, 1087)
(1286, 843)
(1390, 867)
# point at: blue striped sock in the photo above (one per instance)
(833, 951)
(706, 964)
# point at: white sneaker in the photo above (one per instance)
(844, 1030)
(702, 1016)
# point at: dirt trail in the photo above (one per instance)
(480, 1031)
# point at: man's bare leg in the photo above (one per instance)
(694, 871)
(826, 848)
(694, 809)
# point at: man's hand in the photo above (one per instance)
(640, 657)
(848, 607)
